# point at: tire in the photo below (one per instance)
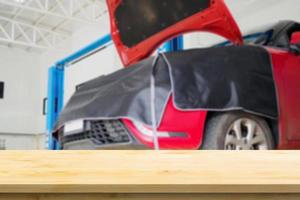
(237, 131)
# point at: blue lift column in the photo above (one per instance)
(56, 73)
(55, 100)
(175, 44)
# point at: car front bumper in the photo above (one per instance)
(99, 134)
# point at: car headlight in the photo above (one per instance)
(162, 134)
(72, 127)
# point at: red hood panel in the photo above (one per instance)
(140, 26)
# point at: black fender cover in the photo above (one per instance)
(213, 79)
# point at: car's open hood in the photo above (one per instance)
(140, 26)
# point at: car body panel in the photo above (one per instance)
(295, 39)
(190, 122)
(215, 19)
(286, 66)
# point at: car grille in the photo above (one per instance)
(101, 132)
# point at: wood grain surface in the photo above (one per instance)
(155, 172)
(150, 197)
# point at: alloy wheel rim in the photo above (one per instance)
(245, 134)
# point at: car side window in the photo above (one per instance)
(264, 38)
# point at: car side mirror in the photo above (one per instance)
(295, 43)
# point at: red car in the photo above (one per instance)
(195, 129)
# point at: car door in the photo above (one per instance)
(290, 73)
(291, 79)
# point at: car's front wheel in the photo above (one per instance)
(237, 131)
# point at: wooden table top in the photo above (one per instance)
(149, 172)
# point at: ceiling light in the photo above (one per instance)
(19, 1)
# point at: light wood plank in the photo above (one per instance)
(150, 196)
(149, 172)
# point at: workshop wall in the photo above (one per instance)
(19, 109)
(251, 16)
